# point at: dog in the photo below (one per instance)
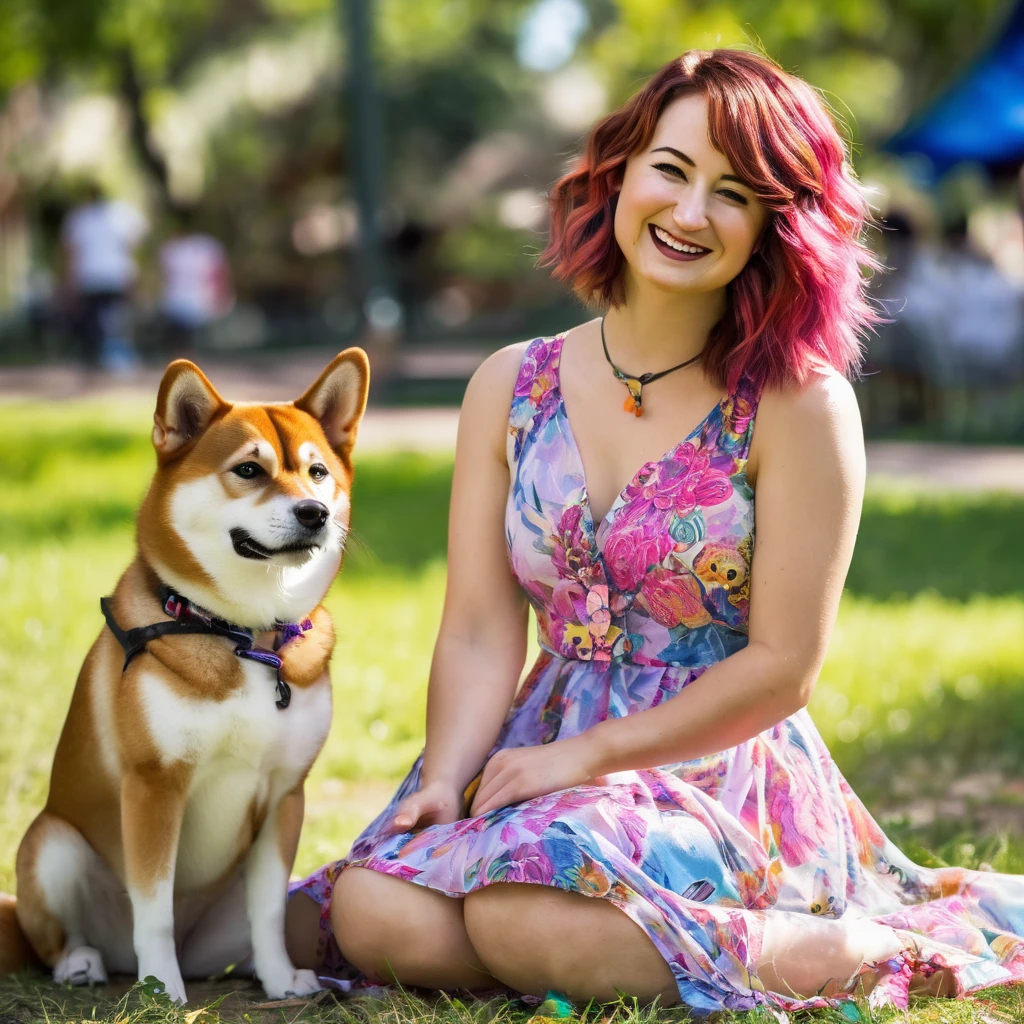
(176, 797)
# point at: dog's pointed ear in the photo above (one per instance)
(185, 406)
(338, 398)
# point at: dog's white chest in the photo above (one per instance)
(245, 754)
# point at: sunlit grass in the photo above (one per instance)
(921, 687)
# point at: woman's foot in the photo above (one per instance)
(927, 979)
(916, 974)
(803, 957)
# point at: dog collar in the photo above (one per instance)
(190, 618)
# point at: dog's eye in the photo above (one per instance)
(317, 472)
(248, 470)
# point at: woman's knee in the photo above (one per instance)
(365, 919)
(393, 929)
(536, 937)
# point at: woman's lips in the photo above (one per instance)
(673, 254)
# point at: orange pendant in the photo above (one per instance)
(633, 403)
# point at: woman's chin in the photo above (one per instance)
(686, 282)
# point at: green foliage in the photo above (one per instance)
(484, 248)
(875, 60)
(440, 60)
(956, 545)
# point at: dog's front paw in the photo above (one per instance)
(166, 981)
(82, 966)
(298, 983)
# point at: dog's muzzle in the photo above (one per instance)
(248, 547)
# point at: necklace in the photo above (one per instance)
(635, 384)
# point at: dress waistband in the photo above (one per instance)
(601, 660)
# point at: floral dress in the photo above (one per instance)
(698, 853)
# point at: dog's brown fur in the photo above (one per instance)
(125, 779)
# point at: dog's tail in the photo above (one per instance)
(15, 952)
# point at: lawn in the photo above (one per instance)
(919, 699)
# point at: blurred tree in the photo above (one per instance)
(876, 59)
(236, 103)
(448, 69)
(128, 47)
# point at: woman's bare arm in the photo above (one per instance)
(481, 643)
(809, 492)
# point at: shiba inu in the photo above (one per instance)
(176, 796)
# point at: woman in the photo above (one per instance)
(659, 756)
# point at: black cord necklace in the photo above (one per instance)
(635, 384)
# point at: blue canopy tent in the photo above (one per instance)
(980, 117)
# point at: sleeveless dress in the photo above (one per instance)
(630, 611)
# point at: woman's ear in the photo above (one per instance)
(186, 405)
(338, 399)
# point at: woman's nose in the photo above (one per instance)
(690, 213)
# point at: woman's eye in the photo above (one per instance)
(248, 470)
(670, 167)
(734, 196)
(317, 472)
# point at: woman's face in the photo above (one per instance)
(682, 187)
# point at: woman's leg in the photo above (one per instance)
(810, 955)
(533, 938)
(396, 930)
(302, 931)
(802, 955)
(539, 937)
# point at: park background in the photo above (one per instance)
(280, 124)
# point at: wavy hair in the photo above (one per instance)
(802, 297)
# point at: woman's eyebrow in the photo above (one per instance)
(689, 162)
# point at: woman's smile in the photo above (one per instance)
(687, 252)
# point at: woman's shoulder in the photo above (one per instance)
(512, 371)
(494, 385)
(803, 418)
(824, 392)
(501, 368)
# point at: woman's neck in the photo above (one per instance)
(654, 329)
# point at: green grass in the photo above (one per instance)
(919, 699)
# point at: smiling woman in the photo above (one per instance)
(654, 812)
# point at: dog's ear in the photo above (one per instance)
(338, 398)
(185, 406)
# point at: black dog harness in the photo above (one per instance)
(187, 617)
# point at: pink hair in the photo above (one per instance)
(801, 299)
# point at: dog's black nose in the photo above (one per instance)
(311, 514)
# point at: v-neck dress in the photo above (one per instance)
(630, 611)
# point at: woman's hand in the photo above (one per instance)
(437, 803)
(520, 773)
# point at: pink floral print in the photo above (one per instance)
(630, 611)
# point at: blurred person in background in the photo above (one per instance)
(910, 352)
(956, 325)
(98, 242)
(196, 285)
(984, 312)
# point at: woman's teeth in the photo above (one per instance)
(678, 246)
